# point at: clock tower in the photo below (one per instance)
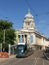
(28, 21)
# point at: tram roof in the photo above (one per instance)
(21, 43)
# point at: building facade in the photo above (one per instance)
(29, 35)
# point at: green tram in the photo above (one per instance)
(23, 50)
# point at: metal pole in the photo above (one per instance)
(1, 47)
(4, 37)
(9, 49)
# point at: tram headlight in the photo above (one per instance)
(22, 51)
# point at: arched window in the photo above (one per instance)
(31, 39)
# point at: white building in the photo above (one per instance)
(28, 34)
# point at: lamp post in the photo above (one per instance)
(4, 39)
(1, 47)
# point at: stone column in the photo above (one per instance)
(28, 39)
(43, 47)
(42, 41)
(24, 38)
(18, 38)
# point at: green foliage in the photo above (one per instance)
(10, 36)
(4, 24)
(16, 33)
(9, 33)
(1, 36)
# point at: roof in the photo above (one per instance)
(29, 15)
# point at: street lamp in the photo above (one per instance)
(4, 39)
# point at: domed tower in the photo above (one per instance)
(28, 21)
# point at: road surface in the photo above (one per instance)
(35, 59)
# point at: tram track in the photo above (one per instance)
(34, 59)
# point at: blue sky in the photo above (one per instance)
(15, 10)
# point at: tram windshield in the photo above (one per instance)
(20, 48)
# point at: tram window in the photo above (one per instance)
(31, 39)
(20, 47)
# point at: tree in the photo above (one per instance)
(1, 36)
(10, 36)
(4, 24)
(9, 33)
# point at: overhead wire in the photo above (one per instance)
(28, 4)
(37, 15)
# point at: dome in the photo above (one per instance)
(29, 15)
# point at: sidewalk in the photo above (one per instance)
(3, 59)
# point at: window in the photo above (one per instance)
(28, 23)
(20, 38)
(31, 39)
